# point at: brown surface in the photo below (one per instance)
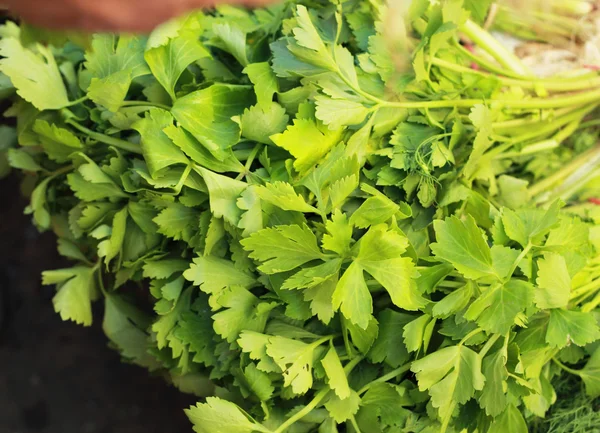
(57, 377)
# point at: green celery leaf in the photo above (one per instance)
(567, 327)
(35, 75)
(462, 243)
(282, 248)
(451, 375)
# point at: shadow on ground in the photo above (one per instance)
(57, 377)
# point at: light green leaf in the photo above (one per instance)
(207, 114)
(59, 143)
(213, 274)
(283, 195)
(76, 289)
(336, 376)
(242, 312)
(453, 302)
(259, 382)
(343, 409)
(307, 142)
(295, 359)
(511, 421)
(529, 225)
(265, 82)
(21, 159)
(338, 113)
(451, 375)
(233, 40)
(220, 416)
(199, 154)
(567, 327)
(168, 61)
(110, 91)
(159, 150)
(35, 76)
(554, 282)
(352, 297)
(462, 244)
(497, 307)
(591, 375)
(224, 192)
(282, 248)
(493, 397)
(260, 122)
(111, 247)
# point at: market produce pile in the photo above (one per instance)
(323, 216)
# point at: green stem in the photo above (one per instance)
(470, 335)
(592, 305)
(486, 41)
(391, 375)
(518, 260)
(572, 120)
(492, 67)
(564, 367)
(591, 156)
(526, 104)
(184, 177)
(542, 146)
(448, 417)
(572, 7)
(486, 348)
(526, 83)
(111, 141)
(531, 121)
(145, 104)
(318, 398)
(354, 424)
(451, 284)
(61, 170)
(347, 344)
(591, 287)
(78, 101)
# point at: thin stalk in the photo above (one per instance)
(572, 182)
(492, 67)
(183, 178)
(526, 104)
(526, 83)
(447, 418)
(451, 284)
(318, 398)
(541, 146)
(354, 424)
(518, 260)
(564, 367)
(61, 170)
(592, 305)
(487, 42)
(588, 289)
(572, 7)
(572, 120)
(583, 160)
(391, 375)
(145, 104)
(488, 345)
(103, 138)
(531, 120)
(78, 101)
(470, 335)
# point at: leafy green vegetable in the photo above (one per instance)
(318, 216)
